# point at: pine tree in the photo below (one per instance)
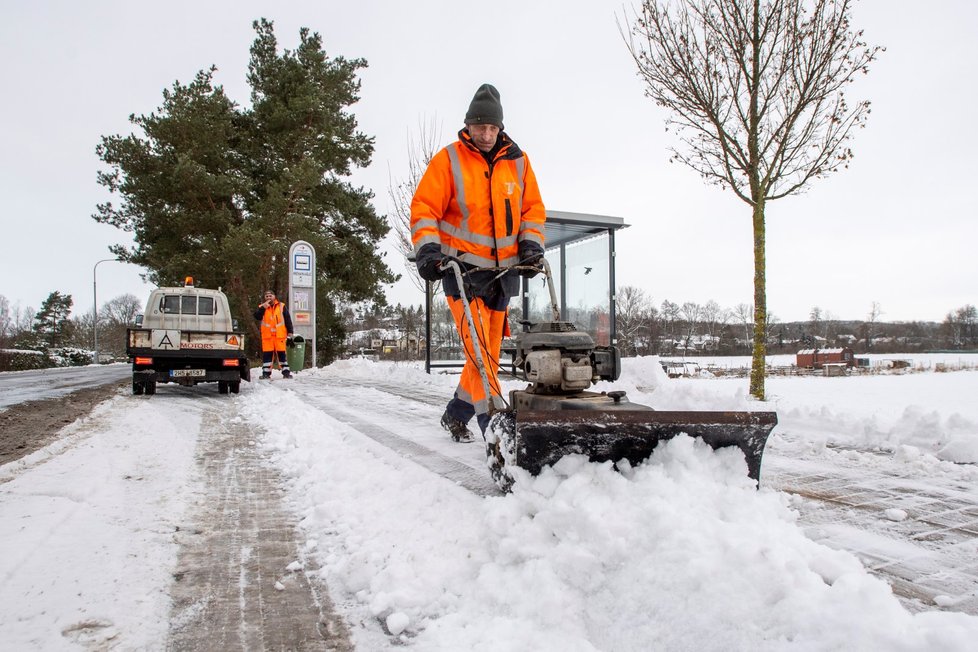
(51, 323)
(219, 192)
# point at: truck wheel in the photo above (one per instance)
(222, 387)
(150, 387)
(235, 386)
(137, 388)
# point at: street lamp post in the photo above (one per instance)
(95, 306)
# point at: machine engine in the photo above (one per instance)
(556, 358)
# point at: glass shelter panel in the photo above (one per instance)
(583, 285)
(539, 295)
(586, 276)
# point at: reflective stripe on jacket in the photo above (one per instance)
(477, 212)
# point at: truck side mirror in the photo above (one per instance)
(139, 321)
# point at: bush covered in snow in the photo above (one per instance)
(20, 360)
(25, 359)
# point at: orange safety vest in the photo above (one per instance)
(477, 212)
(273, 332)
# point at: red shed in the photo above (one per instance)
(815, 358)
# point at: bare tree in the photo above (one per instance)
(744, 313)
(6, 321)
(653, 331)
(692, 313)
(14, 321)
(815, 319)
(755, 91)
(830, 326)
(874, 314)
(772, 321)
(631, 310)
(961, 327)
(715, 317)
(967, 318)
(122, 310)
(401, 191)
(670, 315)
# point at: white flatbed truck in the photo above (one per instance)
(187, 336)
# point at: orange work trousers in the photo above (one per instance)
(470, 397)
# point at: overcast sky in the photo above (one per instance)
(898, 227)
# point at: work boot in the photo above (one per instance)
(286, 373)
(460, 432)
(265, 376)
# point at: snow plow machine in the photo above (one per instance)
(556, 415)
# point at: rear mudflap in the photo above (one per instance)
(543, 437)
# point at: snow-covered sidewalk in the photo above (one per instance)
(679, 553)
(87, 529)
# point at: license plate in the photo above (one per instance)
(183, 373)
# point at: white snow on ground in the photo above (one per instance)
(935, 412)
(87, 526)
(680, 553)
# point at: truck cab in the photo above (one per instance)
(187, 336)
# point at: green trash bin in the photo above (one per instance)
(295, 353)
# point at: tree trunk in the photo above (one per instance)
(760, 306)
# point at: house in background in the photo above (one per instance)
(817, 358)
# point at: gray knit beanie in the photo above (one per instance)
(485, 107)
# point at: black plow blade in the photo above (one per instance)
(543, 437)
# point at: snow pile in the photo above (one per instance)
(678, 553)
(932, 412)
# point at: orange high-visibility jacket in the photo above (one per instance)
(477, 212)
(273, 328)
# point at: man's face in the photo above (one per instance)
(269, 297)
(484, 136)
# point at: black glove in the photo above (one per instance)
(431, 270)
(531, 255)
(532, 266)
(289, 341)
(429, 259)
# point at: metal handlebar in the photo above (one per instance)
(454, 263)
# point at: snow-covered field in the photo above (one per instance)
(920, 361)
(680, 553)
(933, 411)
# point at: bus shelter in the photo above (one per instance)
(580, 249)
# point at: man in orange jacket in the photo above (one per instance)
(478, 202)
(276, 329)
